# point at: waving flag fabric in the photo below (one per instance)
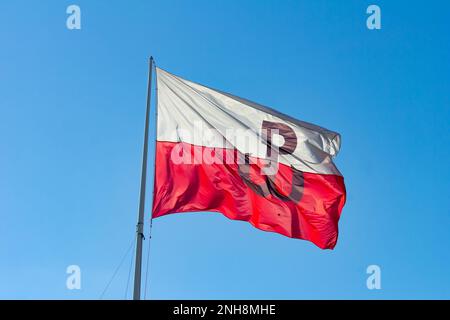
(218, 152)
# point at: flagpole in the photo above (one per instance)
(140, 223)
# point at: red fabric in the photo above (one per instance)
(221, 188)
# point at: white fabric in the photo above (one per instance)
(186, 110)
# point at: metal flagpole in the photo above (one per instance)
(140, 223)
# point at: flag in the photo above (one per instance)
(221, 153)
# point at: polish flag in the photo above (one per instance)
(221, 153)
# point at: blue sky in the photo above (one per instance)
(72, 108)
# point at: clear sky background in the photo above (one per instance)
(72, 109)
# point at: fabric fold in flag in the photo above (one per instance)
(222, 153)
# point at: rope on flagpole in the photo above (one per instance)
(129, 272)
(117, 269)
(148, 258)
